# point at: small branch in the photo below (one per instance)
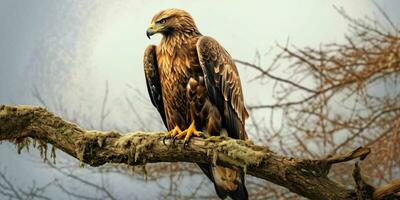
(389, 190)
(363, 189)
(266, 73)
(305, 177)
(358, 153)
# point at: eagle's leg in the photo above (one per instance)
(188, 133)
(173, 133)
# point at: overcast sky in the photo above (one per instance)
(69, 49)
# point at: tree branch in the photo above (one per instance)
(305, 177)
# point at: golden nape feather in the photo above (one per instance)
(194, 84)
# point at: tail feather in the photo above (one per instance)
(227, 181)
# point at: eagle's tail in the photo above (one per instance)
(227, 181)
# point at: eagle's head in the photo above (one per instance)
(172, 21)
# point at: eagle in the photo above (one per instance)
(195, 86)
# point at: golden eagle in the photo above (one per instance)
(194, 84)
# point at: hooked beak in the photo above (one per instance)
(151, 31)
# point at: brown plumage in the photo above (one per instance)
(194, 84)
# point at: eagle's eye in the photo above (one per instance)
(162, 21)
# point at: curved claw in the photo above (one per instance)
(173, 140)
(177, 134)
(187, 141)
(185, 144)
(163, 140)
(172, 134)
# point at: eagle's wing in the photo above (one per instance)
(223, 85)
(153, 80)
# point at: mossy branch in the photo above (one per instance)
(305, 177)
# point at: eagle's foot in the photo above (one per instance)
(188, 133)
(172, 134)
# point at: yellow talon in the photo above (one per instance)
(189, 132)
(177, 133)
(174, 132)
(181, 135)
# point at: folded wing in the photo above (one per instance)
(153, 80)
(223, 85)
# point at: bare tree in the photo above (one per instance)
(339, 96)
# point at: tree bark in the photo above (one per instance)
(302, 176)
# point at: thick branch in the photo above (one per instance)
(305, 177)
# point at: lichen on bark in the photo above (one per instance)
(25, 124)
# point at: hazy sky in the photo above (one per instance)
(69, 49)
